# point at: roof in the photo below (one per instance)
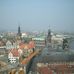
(41, 39)
(8, 42)
(24, 46)
(44, 70)
(29, 45)
(14, 52)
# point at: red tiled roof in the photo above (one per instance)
(29, 45)
(24, 46)
(44, 70)
(14, 52)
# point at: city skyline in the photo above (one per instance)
(37, 15)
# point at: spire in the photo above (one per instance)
(49, 31)
(49, 35)
(19, 31)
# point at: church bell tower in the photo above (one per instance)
(49, 36)
(19, 32)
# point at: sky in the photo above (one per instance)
(37, 15)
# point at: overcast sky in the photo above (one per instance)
(33, 15)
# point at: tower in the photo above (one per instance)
(19, 32)
(65, 44)
(49, 36)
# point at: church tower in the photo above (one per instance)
(49, 36)
(19, 32)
